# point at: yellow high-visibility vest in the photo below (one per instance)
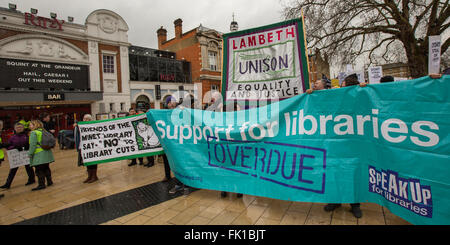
(39, 140)
(2, 155)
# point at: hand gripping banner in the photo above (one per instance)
(385, 143)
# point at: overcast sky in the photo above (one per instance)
(144, 17)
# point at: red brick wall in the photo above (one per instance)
(83, 45)
(188, 47)
(206, 87)
(191, 53)
(8, 33)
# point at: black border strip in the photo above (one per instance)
(108, 208)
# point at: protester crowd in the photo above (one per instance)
(34, 137)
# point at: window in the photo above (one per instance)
(146, 68)
(212, 60)
(111, 107)
(122, 106)
(214, 87)
(143, 68)
(108, 63)
(134, 68)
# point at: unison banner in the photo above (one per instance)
(385, 143)
(265, 63)
(117, 139)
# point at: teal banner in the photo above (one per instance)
(385, 143)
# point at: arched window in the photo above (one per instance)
(143, 102)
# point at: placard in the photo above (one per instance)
(434, 56)
(361, 76)
(375, 74)
(17, 158)
(265, 63)
(341, 77)
(117, 139)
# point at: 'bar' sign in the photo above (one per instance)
(53, 96)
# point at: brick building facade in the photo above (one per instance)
(203, 48)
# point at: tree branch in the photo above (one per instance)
(445, 46)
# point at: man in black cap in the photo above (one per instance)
(171, 103)
(387, 79)
(47, 122)
(356, 210)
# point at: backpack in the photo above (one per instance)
(48, 141)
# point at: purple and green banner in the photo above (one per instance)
(265, 63)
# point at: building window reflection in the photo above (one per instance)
(157, 65)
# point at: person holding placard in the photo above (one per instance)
(92, 169)
(132, 112)
(356, 210)
(40, 158)
(171, 103)
(387, 79)
(350, 80)
(47, 122)
(19, 141)
(236, 107)
(150, 159)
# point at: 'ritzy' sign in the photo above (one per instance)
(46, 23)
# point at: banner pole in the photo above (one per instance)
(306, 47)
(221, 74)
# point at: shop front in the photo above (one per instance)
(30, 88)
(66, 71)
(62, 116)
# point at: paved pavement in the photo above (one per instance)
(201, 207)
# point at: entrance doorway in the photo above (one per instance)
(144, 102)
(63, 116)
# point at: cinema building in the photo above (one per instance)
(157, 74)
(64, 68)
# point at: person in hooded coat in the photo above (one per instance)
(19, 141)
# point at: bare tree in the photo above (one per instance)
(381, 30)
